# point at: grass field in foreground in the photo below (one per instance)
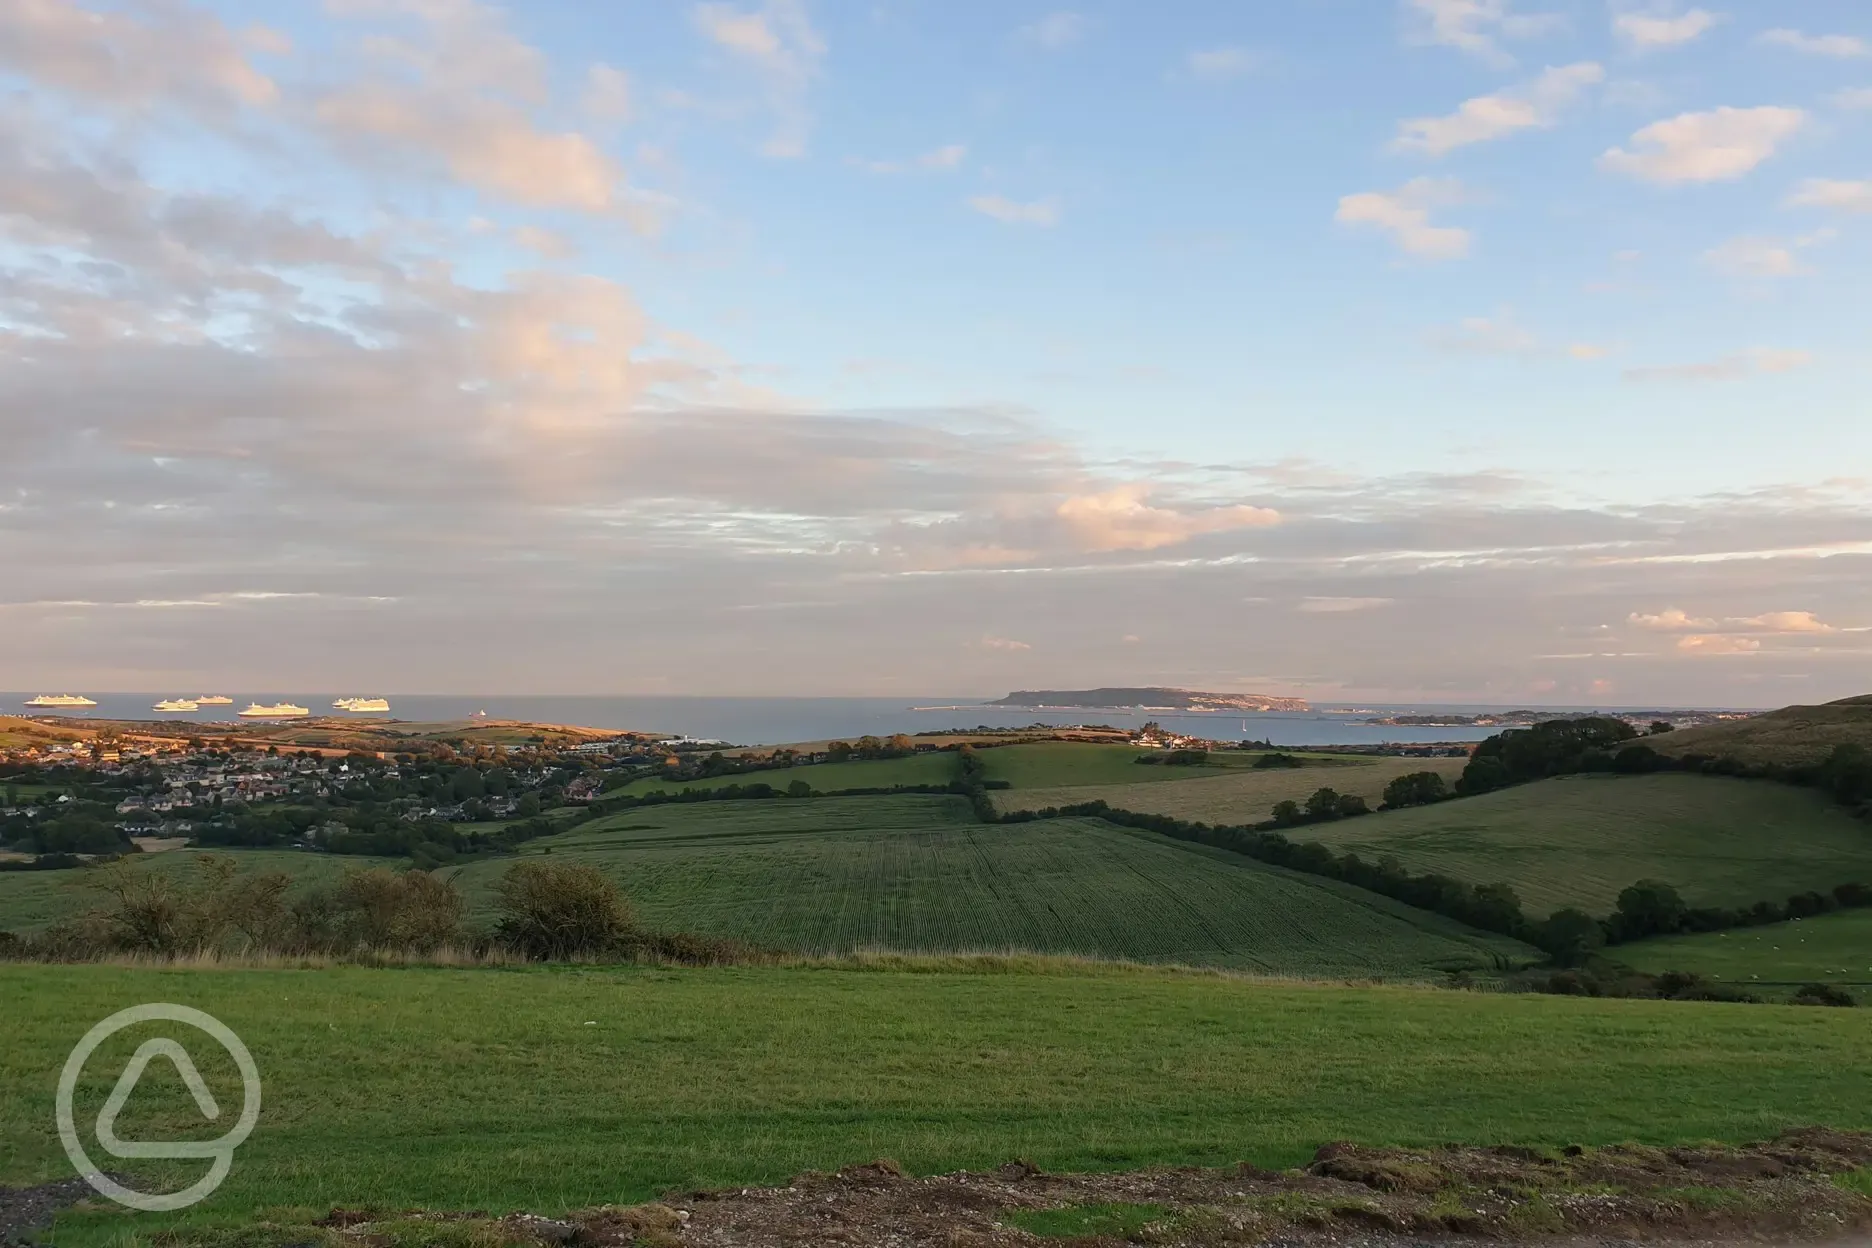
(918, 874)
(1238, 795)
(31, 899)
(546, 1089)
(1578, 840)
(1774, 960)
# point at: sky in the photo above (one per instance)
(1497, 351)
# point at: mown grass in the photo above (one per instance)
(1237, 794)
(31, 899)
(938, 767)
(1579, 840)
(917, 874)
(554, 1089)
(1774, 960)
(1791, 735)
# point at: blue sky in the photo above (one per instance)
(1442, 348)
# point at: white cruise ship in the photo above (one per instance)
(176, 704)
(60, 700)
(212, 699)
(361, 705)
(279, 710)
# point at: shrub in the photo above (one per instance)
(384, 909)
(1573, 984)
(1419, 788)
(1823, 994)
(549, 911)
(1571, 936)
(1279, 760)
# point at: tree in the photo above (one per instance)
(1351, 804)
(1659, 727)
(529, 805)
(1286, 813)
(1647, 908)
(1571, 936)
(1324, 804)
(1419, 788)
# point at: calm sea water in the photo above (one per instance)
(769, 721)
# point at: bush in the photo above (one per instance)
(1279, 760)
(384, 909)
(551, 912)
(1824, 994)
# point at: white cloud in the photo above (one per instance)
(1672, 620)
(1787, 622)
(1042, 212)
(1726, 368)
(1714, 146)
(1477, 26)
(1832, 193)
(1853, 97)
(778, 44)
(1749, 256)
(1588, 351)
(1216, 64)
(1002, 643)
(1122, 519)
(1496, 335)
(1841, 46)
(937, 160)
(140, 57)
(1335, 606)
(1405, 215)
(1646, 32)
(1056, 30)
(607, 94)
(543, 242)
(1534, 105)
(1718, 644)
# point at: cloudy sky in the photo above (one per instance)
(1434, 350)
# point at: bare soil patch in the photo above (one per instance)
(1803, 1186)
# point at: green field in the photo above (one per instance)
(933, 768)
(1236, 794)
(549, 1089)
(1828, 949)
(31, 899)
(1793, 734)
(1578, 840)
(1051, 764)
(917, 873)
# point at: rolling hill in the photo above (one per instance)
(1578, 840)
(1793, 734)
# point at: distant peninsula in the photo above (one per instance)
(1152, 698)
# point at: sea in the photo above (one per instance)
(775, 721)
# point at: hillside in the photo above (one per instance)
(1791, 735)
(1578, 840)
(1241, 794)
(918, 874)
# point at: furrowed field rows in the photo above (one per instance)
(1578, 840)
(917, 874)
(1238, 795)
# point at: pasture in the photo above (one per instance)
(1051, 764)
(551, 1089)
(1773, 960)
(1579, 840)
(916, 873)
(1239, 794)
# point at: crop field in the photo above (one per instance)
(933, 768)
(549, 1089)
(1238, 795)
(1579, 840)
(918, 874)
(1774, 960)
(31, 899)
